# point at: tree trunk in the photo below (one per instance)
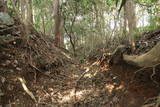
(23, 10)
(59, 21)
(29, 17)
(43, 24)
(29, 12)
(125, 22)
(17, 3)
(131, 18)
(3, 6)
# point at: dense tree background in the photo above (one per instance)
(81, 25)
(79, 53)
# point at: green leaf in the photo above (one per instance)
(154, 1)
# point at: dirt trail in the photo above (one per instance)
(57, 81)
(99, 87)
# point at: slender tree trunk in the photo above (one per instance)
(125, 22)
(131, 18)
(59, 21)
(29, 12)
(3, 6)
(96, 16)
(23, 10)
(43, 24)
(17, 3)
(29, 16)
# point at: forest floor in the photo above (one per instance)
(91, 84)
(34, 73)
(101, 86)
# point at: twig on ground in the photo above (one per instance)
(154, 73)
(153, 70)
(147, 67)
(149, 105)
(158, 101)
(141, 69)
(26, 89)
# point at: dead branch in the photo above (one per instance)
(26, 89)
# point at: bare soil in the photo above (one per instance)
(101, 86)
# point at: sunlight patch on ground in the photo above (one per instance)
(75, 76)
(70, 97)
(88, 75)
(120, 87)
(109, 87)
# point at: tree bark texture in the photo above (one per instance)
(129, 11)
(149, 59)
(3, 5)
(59, 21)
